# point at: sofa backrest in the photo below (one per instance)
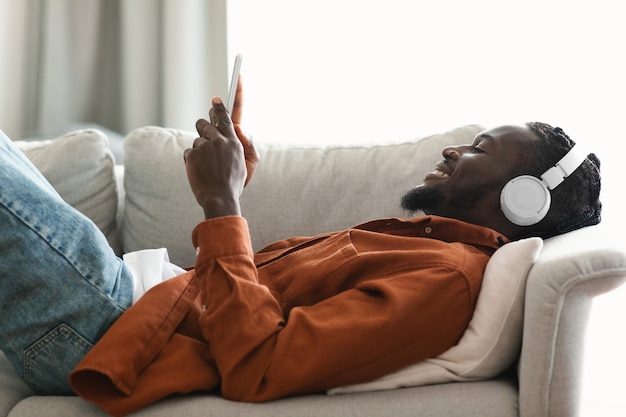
(295, 191)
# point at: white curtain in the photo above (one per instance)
(119, 64)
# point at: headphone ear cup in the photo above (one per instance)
(525, 200)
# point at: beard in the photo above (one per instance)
(434, 201)
(420, 198)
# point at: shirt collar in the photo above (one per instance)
(441, 228)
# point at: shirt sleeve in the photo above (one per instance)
(355, 336)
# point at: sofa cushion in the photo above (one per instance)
(493, 339)
(79, 166)
(159, 208)
(12, 388)
(295, 191)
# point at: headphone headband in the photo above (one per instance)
(564, 167)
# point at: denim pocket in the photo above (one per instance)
(49, 361)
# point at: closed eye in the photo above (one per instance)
(482, 140)
(476, 149)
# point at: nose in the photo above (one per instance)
(451, 152)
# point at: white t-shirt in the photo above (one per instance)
(149, 267)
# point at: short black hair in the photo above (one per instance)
(576, 201)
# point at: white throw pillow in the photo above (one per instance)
(492, 341)
(80, 166)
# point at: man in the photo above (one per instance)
(303, 315)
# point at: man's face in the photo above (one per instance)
(466, 185)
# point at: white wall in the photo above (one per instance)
(342, 71)
(360, 71)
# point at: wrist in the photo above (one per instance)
(220, 206)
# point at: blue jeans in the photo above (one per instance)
(61, 285)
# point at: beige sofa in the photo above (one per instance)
(521, 356)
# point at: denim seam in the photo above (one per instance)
(16, 213)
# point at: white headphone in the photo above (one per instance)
(525, 200)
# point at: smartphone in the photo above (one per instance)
(233, 84)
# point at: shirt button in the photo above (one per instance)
(428, 229)
(203, 308)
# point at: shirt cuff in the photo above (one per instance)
(222, 236)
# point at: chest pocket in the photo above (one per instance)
(311, 272)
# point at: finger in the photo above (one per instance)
(201, 125)
(212, 117)
(198, 141)
(237, 114)
(221, 114)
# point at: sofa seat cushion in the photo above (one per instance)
(493, 398)
(12, 388)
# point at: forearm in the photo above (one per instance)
(239, 315)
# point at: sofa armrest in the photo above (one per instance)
(559, 294)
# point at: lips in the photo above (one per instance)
(440, 173)
(442, 170)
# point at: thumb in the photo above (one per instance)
(243, 137)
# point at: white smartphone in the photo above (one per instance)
(233, 84)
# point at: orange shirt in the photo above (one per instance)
(303, 315)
